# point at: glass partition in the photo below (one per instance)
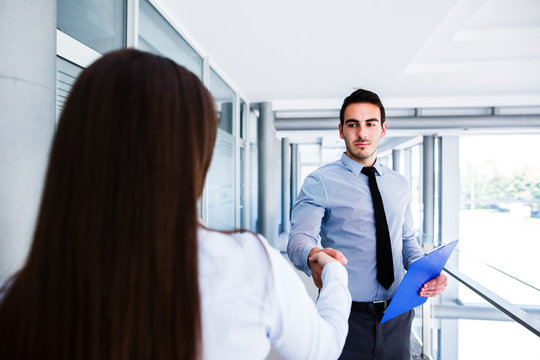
(98, 24)
(101, 25)
(499, 340)
(224, 97)
(499, 241)
(242, 131)
(500, 202)
(157, 36)
(220, 184)
(221, 175)
(484, 332)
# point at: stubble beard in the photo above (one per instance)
(361, 157)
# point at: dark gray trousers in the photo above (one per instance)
(369, 340)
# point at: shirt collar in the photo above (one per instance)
(355, 167)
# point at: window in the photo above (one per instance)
(157, 36)
(221, 175)
(224, 97)
(98, 24)
(499, 227)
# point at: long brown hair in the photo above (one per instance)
(112, 272)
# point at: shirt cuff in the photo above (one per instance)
(305, 255)
(334, 271)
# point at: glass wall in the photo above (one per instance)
(499, 235)
(102, 25)
(500, 340)
(500, 203)
(98, 24)
(224, 97)
(157, 36)
(221, 175)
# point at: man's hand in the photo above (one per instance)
(315, 266)
(434, 286)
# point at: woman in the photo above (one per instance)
(120, 268)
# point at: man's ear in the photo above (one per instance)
(383, 132)
(341, 132)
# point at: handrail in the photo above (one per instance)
(513, 311)
(500, 271)
(459, 310)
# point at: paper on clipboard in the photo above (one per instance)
(421, 270)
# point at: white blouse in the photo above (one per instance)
(252, 299)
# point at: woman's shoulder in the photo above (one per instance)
(230, 241)
(234, 268)
(239, 249)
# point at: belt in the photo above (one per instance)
(375, 307)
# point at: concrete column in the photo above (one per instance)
(27, 120)
(428, 187)
(266, 153)
(449, 214)
(429, 216)
(285, 185)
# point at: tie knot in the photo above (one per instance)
(368, 170)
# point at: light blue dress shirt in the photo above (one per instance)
(334, 207)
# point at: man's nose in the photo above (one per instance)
(361, 131)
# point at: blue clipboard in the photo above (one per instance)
(421, 270)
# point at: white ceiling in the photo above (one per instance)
(310, 54)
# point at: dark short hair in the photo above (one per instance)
(362, 96)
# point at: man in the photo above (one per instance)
(340, 204)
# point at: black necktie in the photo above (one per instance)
(385, 264)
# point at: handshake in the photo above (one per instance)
(318, 258)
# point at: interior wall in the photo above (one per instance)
(27, 120)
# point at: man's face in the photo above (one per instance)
(362, 131)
